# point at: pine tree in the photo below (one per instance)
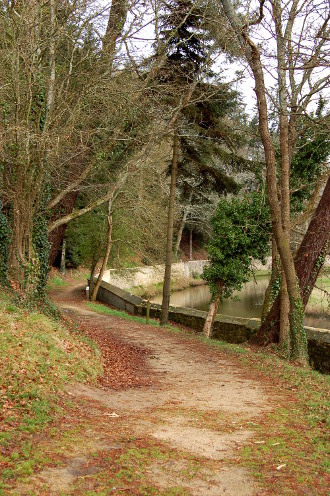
(202, 131)
(183, 39)
(182, 43)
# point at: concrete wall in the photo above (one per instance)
(145, 276)
(226, 328)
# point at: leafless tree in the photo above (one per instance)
(298, 44)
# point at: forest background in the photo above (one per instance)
(92, 129)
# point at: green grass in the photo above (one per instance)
(104, 310)
(320, 294)
(324, 281)
(262, 273)
(55, 281)
(38, 358)
(148, 291)
(151, 290)
(78, 274)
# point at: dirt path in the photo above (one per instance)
(187, 397)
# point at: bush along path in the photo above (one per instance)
(173, 414)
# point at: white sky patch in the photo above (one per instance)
(140, 37)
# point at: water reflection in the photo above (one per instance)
(249, 305)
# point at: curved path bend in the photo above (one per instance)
(199, 402)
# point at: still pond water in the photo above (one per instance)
(250, 304)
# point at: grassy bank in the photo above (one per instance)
(38, 358)
(105, 310)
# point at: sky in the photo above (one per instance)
(140, 41)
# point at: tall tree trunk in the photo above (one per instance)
(52, 65)
(21, 251)
(63, 255)
(280, 226)
(180, 231)
(92, 275)
(284, 337)
(308, 262)
(271, 288)
(280, 229)
(116, 21)
(106, 256)
(286, 306)
(170, 223)
(314, 246)
(213, 309)
(56, 236)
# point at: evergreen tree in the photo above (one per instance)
(241, 230)
(182, 45)
(183, 40)
(311, 153)
(202, 130)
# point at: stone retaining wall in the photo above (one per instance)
(145, 276)
(226, 328)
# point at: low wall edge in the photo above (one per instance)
(234, 330)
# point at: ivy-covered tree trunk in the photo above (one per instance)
(28, 263)
(279, 222)
(21, 249)
(308, 262)
(284, 338)
(274, 283)
(4, 247)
